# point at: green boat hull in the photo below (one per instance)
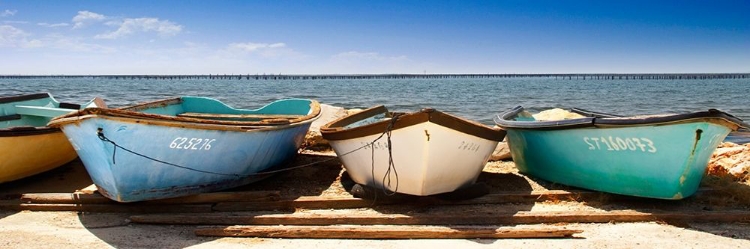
(665, 162)
(654, 156)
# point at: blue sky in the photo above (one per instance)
(350, 37)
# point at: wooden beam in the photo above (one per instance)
(309, 202)
(110, 208)
(445, 219)
(96, 198)
(385, 232)
(259, 196)
(316, 202)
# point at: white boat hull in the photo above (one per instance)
(428, 159)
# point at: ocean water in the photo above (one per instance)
(476, 99)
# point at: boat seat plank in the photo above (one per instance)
(236, 116)
(70, 106)
(10, 117)
(41, 111)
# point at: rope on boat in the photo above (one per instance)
(386, 182)
(100, 134)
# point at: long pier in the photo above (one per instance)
(648, 76)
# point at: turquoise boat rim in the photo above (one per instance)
(598, 119)
(26, 129)
(131, 114)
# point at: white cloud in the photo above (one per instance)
(253, 47)
(75, 44)
(84, 17)
(14, 37)
(15, 22)
(366, 56)
(53, 25)
(265, 50)
(8, 13)
(32, 44)
(133, 25)
(11, 36)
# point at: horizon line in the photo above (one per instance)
(368, 74)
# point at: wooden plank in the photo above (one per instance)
(109, 208)
(316, 202)
(309, 202)
(444, 219)
(257, 196)
(65, 198)
(10, 117)
(236, 116)
(96, 198)
(90, 189)
(385, 232)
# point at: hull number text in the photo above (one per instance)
(191, 143)
(618, 144)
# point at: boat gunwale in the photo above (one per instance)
(17, 131)
(335, 130)
(126, 114)
(604, 120)
(34, 96)
(25, 130)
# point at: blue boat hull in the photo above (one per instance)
(217, 159)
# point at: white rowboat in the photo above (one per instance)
(431, 152)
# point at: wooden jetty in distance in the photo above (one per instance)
(576, 76)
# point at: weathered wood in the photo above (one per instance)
(109, 208)
(236, 116)
(90, 189)
(259, 196)
(315, 202)
(452, 219)
(309, 202)
(96, 198)
(65, 198)
(385, 232)
(10, 117)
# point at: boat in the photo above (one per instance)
(27, 145)
(654, 156)
(185, 145)
(421, 153)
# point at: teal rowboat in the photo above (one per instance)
(655, 156)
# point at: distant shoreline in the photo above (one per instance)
(576, 76)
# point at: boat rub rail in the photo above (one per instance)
(132, 114)
(335, 130)
(597, 119)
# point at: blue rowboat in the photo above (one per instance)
(183, 146)
(27, 145)
(656, 156)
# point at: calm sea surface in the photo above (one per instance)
(476, 99)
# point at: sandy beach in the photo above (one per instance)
(73, 230)
(36, 229)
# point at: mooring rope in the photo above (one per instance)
(386, 181)
(100, 134)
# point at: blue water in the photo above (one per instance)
(476, 99)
